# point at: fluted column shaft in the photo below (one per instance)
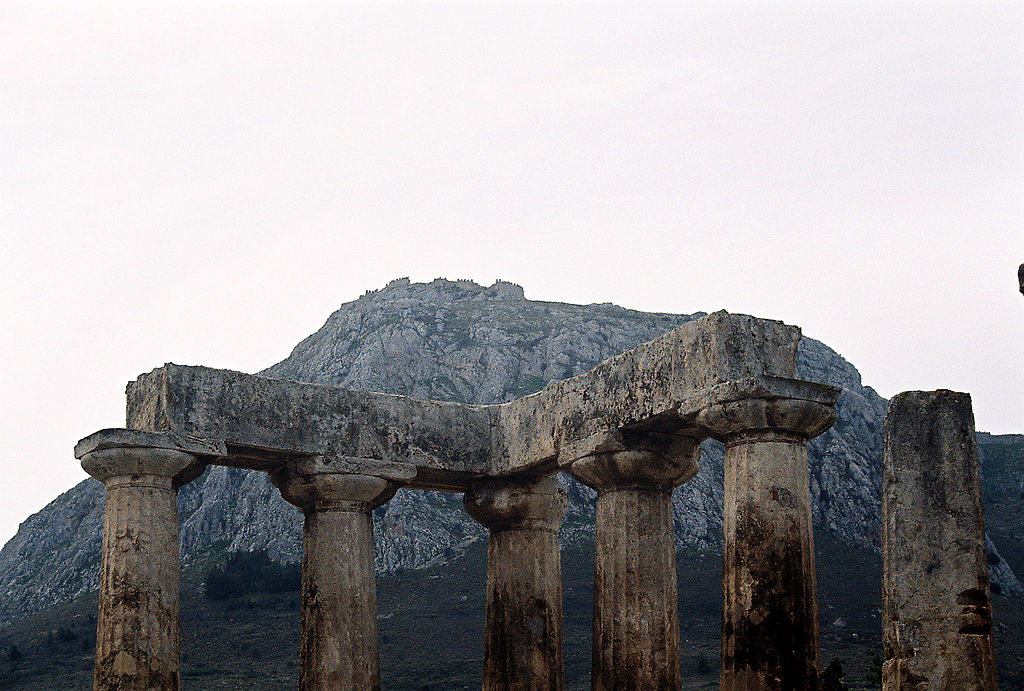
(137, 629)
(770, 611)
(636, 619)
(523, 640)
(338, 646)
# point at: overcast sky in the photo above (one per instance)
(204, 183)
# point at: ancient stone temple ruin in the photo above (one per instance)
(630, 429)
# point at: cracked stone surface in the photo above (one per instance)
(937, 623)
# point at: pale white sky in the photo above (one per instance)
(205, 182)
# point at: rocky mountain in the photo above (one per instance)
(457, 341)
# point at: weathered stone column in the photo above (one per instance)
(935, 592)
(137, 630)
(523, 644)
(636, 620)
(338, 647)
(769, 586)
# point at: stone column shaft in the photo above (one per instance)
(523, 640)
(338, 646)
(137, 629)
(769, 585)
(636, 616)
(339, 637)
(935, 590)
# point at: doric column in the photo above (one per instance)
(769, 587)
(338, 646)
(935, 592)
(523, 643)
(636, 620)
(137, 630)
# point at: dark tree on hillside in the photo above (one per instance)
(832, 678)
(875, 671)
(248, 573)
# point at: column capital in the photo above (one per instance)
(764, 405)
(516, 503)
(797, 418)
(321, 490)
(650, 461)
(133, 457)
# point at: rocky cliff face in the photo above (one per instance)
(461, 342)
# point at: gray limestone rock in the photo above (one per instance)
(457, 341)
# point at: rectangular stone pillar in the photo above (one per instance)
(935, 591)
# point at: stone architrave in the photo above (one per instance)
(137, 629)
(268, 421)
(523, 638)
(935, 593)
(636, 621)
(769, 587)
(338, 646)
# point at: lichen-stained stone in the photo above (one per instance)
(523, 637)
(937, 624)
(769, 587)
(263, 421)
(137, 631)
(266, 420)
(338, 643)
(644, 385)
(636, 622)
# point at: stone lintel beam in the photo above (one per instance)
(769, 587)
(523, 639)
(137, 630)
(338, 642)
(636, 621)
(642, 387)
(937, 617)
(311, 466)
(728, 396)
(264, 421)
(656, 387)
